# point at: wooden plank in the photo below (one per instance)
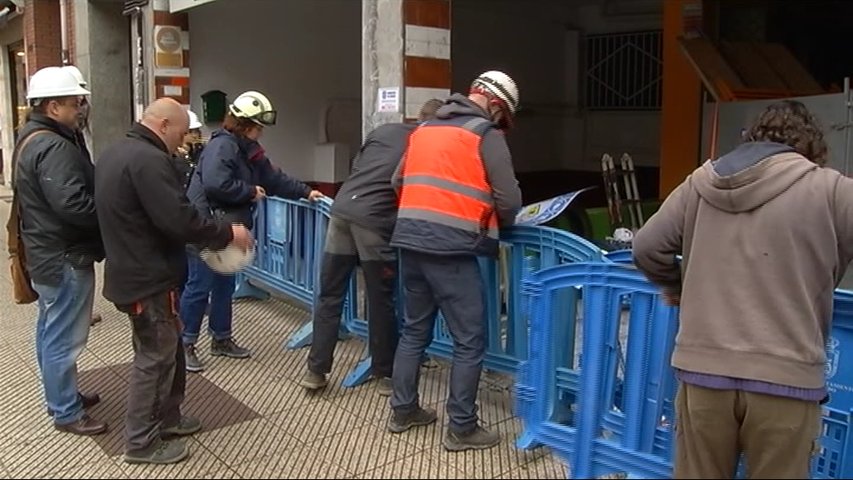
(750, 66)
(789, 68)
(711, 66)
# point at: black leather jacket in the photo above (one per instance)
(55, 186)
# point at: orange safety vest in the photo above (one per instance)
(445, 183)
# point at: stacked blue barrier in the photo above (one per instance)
(290, 237)
(602, 421)
(527, 249)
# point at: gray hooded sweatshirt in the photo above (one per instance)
(766, 236)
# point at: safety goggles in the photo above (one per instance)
(265, 118)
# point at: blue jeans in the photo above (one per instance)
(62, 329)
(204, 284)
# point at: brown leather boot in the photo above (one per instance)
(85, 426)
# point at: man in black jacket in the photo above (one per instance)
(54, 184)
(146, 221)
(363, 216)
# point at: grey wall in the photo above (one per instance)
(103, 55)
(305, 55)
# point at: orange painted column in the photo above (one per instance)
(681, 111)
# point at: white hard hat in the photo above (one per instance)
(52, 82)
(500, 85)
(77, 74)
(194, 123)
(230, 259)
(255, 106)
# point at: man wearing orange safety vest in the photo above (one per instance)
(456, 187)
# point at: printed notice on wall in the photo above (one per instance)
(388, 99)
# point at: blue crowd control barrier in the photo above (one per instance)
(602, 420)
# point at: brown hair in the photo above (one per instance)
(429, 109)
(789, 122)
(237, 126)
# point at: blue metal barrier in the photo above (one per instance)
(603, 421)
(527, 249)
(290, 238)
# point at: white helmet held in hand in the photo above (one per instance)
(53, 82)
(230, 259)
(254, 106)
(194, 123)
(77, 74)
(499, 85)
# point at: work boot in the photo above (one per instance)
(313, 381)
(477, 439)
(161, 452)
(399, 423)
(384, 387)
(227, 348)
(86, 426)
(191, 359)
(186, 426)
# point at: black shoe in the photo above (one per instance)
(160, 453)
(477, 439)
(228, 348)
(400, 423)
(193, 364)
(313, 381)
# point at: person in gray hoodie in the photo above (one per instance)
(766, 233)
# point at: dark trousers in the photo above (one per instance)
(346, 245)
(454, 285)
(158, 373)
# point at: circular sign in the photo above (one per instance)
(169, 39)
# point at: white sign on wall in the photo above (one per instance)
(388, 99)
(178, 5)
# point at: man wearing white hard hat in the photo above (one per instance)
(456, 187)
(186, 158)
(54, 187)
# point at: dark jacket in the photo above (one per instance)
(430, 237)
(55, 185)
(187, 161)
(146, 219)
(367, 197)
(229, 169)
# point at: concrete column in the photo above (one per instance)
(405, 46)
(382, 59)
(103, 54)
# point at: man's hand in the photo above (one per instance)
(242, 237)
(260, 193)
(315, 195)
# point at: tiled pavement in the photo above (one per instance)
(259, 422)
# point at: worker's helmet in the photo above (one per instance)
(77, 74)
(254, 106)
(53, 82)
(194, 123)
(500, 86)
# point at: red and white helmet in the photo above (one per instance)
(499, 85)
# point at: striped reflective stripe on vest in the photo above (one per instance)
(443, 219)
